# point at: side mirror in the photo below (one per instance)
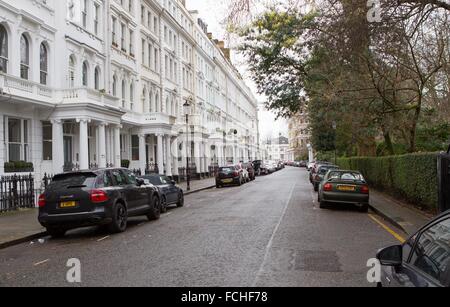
(173, 182)
(391, 256)
(140, 182)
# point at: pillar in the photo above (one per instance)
(84, 140)
(142, 153)
(117, 154)
(175, 156)
(57, 146)
(168, 157)
(160, 154)
(101, 145)
(197, 156)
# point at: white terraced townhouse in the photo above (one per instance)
(102, 83)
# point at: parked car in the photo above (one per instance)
(229, 175)
(243, 169)
(341, 186)
(310, 165)
(423, 261)
(250, 170)
(303, 164)
(321, 172)
(258, 165)
(171, 194)
(102, 197)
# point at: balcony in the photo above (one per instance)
(29, 90)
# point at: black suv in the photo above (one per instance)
(102, 197)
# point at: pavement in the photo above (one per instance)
(402, 215)
(270, 232)
(22, 226)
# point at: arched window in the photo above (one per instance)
(167, 106)
(144, 98)
(24, 57)
(72, 71)
(85, 73)
(151, 102)
(43, 64)
(3, 50)
(97, 78)
(114, 86)
(131, 95)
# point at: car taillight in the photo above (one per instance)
(99, 196)
(365, 189)
(328, 187)
(236, 174)
(41, 201)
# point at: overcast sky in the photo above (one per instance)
(213, 12)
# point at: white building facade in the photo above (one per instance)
(102, 83)
(277, 149)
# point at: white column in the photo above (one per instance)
(117, 154)
(175, 156)
(84, 152)
(2, 149)
(160, 152)
(142, 153)
(168, 157)
(57, 146)
(101, 145)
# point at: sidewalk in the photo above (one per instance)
(21, 226)
(400, 214)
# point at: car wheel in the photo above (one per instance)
(180, 200)
(259, 172)
(56, 233)
(240, 182)
(119, 219)
(316, 188)
(163, 205)
(322, 205)
(218, 186)
(155, 210)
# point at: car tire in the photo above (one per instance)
(56, 233)
(259, 172)
(119, 219)
(163, 204)
(180, 202)
(240, 182)
(364, 209)
(155, 210)
(322, 205)
(316, 188)
(218, 186)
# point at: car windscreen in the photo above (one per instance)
(227, 169)
(73, 180)
(324, 170)
(346, 176)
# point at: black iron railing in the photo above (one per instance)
(16, 192)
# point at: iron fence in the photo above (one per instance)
(17, 192)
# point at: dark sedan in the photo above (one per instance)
(102, 197)
(229, 175)
(320, 175)
(423, 261)
(171, 194)
(347, 187)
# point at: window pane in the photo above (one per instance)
(47, 134)
(135, 147)
(432, 253)
(14, 152)
(14, 130)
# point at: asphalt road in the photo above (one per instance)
(266, 233)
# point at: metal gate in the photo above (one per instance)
(444, 181)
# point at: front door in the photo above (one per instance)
(68, 153)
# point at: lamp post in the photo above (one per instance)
(335, 142)
(187, 112)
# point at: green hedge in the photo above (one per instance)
(412, 176)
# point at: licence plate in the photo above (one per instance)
(68, 204)
(347, 188)
(227, 180)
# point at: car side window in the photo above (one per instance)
(130, 177)
(104, 181)
(407, 248)
(119, 178)
(431, 254)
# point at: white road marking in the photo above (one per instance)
(103, 239)
(269, 245)
(41, 262)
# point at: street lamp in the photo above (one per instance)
(187, 112)
(335, 142)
